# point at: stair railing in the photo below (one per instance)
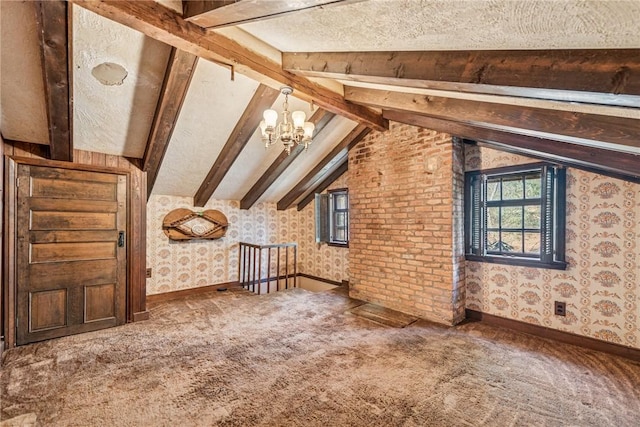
(260, 264)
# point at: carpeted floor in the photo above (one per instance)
(298, 358)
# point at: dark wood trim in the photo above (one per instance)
(607, 162)
(67, 165)
(320, 170)
(168, 26)
(9, 245)
(330, 179)
(140, 316)
(320, 119)
(556, 335)
(564, 126)
(597, 76)
(322, 279)
(177, 79)
(137, 244)
(155, 299)
(263, 98)
(2, 243)
(223, 13)
(53, 29)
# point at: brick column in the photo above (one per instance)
(405, 253)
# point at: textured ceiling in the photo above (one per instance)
(394, 25)
(24, 115)
(210, 111)
(114, 119)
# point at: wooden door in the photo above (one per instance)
(71, 252)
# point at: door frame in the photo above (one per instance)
(136, 240)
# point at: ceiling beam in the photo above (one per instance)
(167, 26)
(262, 99)
(563, 126)
(222, 13)
(330, 179)
(320, 119)
(52, 18)
(176, 82)
(599, 76)
(327, 165)
(607, 162)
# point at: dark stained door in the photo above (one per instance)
(71, 253)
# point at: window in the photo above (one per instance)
(516, 215)
(332, 217)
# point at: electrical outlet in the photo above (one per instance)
(148, 273)
(560, 308)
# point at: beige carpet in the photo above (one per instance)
(298, 358)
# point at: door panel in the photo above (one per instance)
(49, 309)
(78, 251)
(69, 220)
(71, 269)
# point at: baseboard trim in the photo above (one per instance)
(321, 279)
(168, 296)
(554, 334)
(140, 316)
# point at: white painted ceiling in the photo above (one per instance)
(24, 116)
(115, 119)
(397, 25)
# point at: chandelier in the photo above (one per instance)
(291, 130)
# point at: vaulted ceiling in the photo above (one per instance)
(183, 91)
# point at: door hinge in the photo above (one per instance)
(17, 182)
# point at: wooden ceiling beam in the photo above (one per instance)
(607, 162)
(598, 76)
(223, 13)
(175, 85)
(330, 179)
(324, 167)
(262, 99)
(564, 126)
(167, 26)
(320, 119)
(52, 18)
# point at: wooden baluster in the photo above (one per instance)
(268, 270)
(286, 268)
(278, 271)
(240, 263)
(295, 266)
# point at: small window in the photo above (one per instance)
(516, 215)
(332, 217)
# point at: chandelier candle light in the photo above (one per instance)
(291, 131)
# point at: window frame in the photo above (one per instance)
(552, 202)
(325, 214)
(333, 211)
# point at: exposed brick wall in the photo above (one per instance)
(402, 250)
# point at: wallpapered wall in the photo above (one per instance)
(329, 262)
(195, 263)
(600, 286)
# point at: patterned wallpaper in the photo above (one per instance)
(600, 286)
(195, 263)
(329, 262)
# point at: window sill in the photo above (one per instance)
(338, 245)
(521, 262)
